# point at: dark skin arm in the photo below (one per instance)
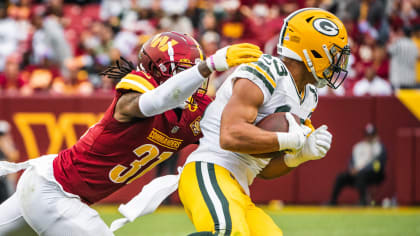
(127, 106)
(275, 168)
(237, 132)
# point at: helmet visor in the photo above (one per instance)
(337, 72)
(168, 71)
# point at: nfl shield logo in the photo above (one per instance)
(175, 129)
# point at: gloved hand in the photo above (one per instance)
(233, 55)
(316, 147)
(293, 140)
(317, 144)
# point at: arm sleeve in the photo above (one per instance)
(172, 93)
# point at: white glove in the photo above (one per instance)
(233, 55)
(293, 140)
(317, 144)
(316, 147)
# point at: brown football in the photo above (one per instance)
(275, 122)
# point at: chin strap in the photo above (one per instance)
(320, 82)
(327, 53)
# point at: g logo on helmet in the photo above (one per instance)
(325, 26)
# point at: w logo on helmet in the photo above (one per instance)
(325, 26)
(162, 42)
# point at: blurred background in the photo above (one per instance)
(51, 52)
(58, 47)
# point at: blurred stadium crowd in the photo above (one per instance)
(58, 47)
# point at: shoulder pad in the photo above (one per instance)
(268, 69)
(138, 81)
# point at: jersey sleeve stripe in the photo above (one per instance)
(131, 85)
(140, 80)
(266, 69)
(268, 77)
(260, 76)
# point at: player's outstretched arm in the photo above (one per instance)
(239, 134)
(178, 88)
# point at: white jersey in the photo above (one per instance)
(280, 95)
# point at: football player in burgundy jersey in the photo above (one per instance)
(145, 124)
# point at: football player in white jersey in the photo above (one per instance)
(213, 186)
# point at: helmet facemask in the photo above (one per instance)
(164, 70)
(335, 74)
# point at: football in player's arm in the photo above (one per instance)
(239, 134)
(145, 124)
(214, 184)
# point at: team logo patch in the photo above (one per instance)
(175, 129)
(326, 27)
(195, 126)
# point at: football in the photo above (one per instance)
(275, 122)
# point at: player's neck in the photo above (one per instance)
(297, 70)
(300, 84)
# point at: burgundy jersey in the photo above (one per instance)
(112, 154)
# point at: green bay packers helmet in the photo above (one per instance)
(319, 39)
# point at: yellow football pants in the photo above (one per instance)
(215, 202)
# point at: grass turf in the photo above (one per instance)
(294, 221)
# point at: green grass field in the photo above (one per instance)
(294, 221)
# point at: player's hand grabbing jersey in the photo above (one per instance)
(112, 154)
(280, 95)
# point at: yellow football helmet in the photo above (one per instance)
(319, 39)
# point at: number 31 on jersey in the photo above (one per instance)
(151, 158)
